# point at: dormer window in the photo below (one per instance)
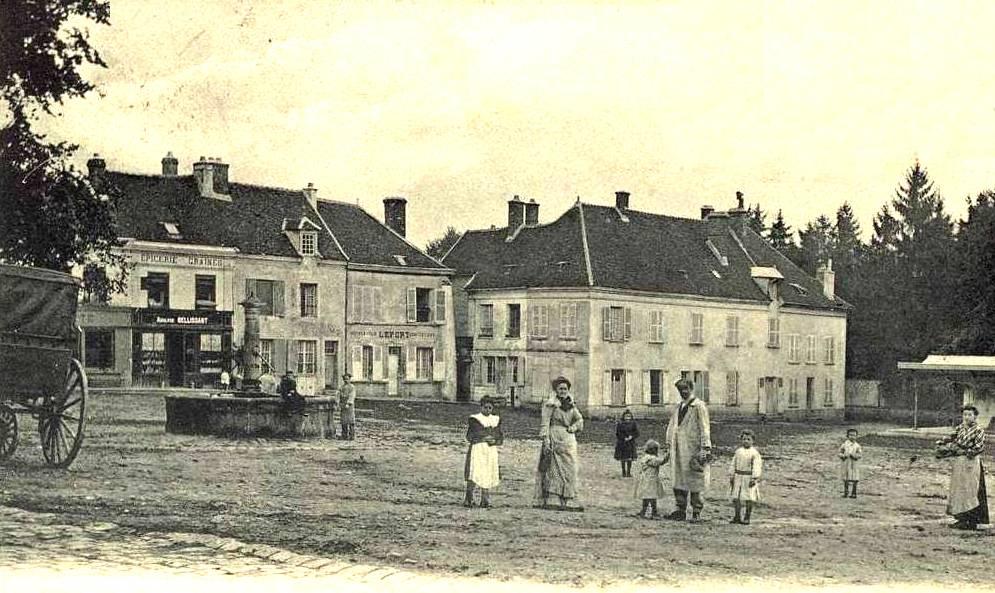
(172, 229)
(799, 289)
(309, 243)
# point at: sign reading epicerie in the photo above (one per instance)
(178, 259)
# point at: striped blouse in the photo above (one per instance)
(971, 439)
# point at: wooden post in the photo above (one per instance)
(915, 404)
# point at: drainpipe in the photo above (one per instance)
(915, 404)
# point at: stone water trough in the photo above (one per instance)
(236, 415)
(249, 412)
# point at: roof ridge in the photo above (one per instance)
(328, 229)
(587, 250)
(643, 212)
(401, 237)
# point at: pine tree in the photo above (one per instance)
(974, 271)
(780, 234)
(816, 244)
(438, 248)
(757, 220)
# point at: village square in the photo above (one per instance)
(379, 296)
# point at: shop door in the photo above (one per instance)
(618, 387)
(174, 359)
(393, 370)
(464, 368)
(501, 376)
(770, 394)
(331, 364)
(809, 392)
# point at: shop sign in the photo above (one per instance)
(181, 318)
(180, 259)
(393, 334)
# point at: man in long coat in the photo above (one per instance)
(690, 442)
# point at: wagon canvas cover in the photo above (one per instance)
(37, 303)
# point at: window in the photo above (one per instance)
(656, 327)
(701, 390)
(486, 321)
(210, 342)
(616, 324)
(270, 292)
(423, 305)
(810, 351)
(440, 305)
(266, 355)
(539, 328)
(618, 387)
(514, 321)
(309, 300)
(204, 294)
(172, 229)
(794, 348)
(568, 321)
(490, 370)
(367, 363)
(732, 388)
(307, 354)
(157, 286)
(656, 386)
(697, 329)
(366, 303)
(309, 243)
(424, 364)
(828, 399)
(793, 392)
(829, 347)
(732, 330)
(99, 346)
(773, 332)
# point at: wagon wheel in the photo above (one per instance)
(8, 431)
(60, 423)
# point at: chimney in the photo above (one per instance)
(212, 178)
(96, 167)
(531, 213)
(706, 211)
(170, 166)
(516, 214)
(622, 200)
(311, 193)
(827, 277)
(740, 214)
(393, 214)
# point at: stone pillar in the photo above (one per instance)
(251, 360)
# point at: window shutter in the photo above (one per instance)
(280, 356)
(354, 296)
(357, 363)
(705, 390)
(630, 387)
(378, 363)
(250, 286)
(293, 349)
(440, 304)
(438, 365)
(377, 297)
(628, 325)
(606, 386)
(606, 324)
(647, 384)
(278, 306)
(412, 305)
(475, 368)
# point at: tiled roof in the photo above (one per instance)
(631, 250)
(251, 222)
(366, 240)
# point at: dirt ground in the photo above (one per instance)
(392, 497)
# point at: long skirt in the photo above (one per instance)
(556, 474)
(482, 465)
(968, 500)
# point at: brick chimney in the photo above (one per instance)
(706, 211)
(170, 166)
(393, 214)
(827, 277)
(740, 214)
(516, 214)
(311, 194)
(96, 167)
(212, 178)
(531, 213)
(622, 200)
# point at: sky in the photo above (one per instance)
(458, 106)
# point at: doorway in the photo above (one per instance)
(331, 364)
(809, 392)
(771, 395)
(393, 370)
(618, 387)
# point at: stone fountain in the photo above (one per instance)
(247, 411)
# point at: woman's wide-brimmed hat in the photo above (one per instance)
(560, 379)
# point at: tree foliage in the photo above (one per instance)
(975, 271)
(439, 247)
(780, 234)
(53, 216)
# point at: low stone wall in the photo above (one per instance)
(901, 415)
(233, 416)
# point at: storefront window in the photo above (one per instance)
(307, 352)
(205, 296)
(150, 358)
(424, 364)
(210, 354)
(99, 349)
(368, 363)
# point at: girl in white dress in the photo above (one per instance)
(746, 469)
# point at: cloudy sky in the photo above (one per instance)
(460, 105)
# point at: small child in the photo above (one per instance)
(746, 469)
(850, 453)
(626, 433)
(649, 486)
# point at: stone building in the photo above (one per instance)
(625, 302)
(199, 244)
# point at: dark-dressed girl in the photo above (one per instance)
(626, 433)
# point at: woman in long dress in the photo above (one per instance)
(482, 469)
(557, 470)
(968, 500)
